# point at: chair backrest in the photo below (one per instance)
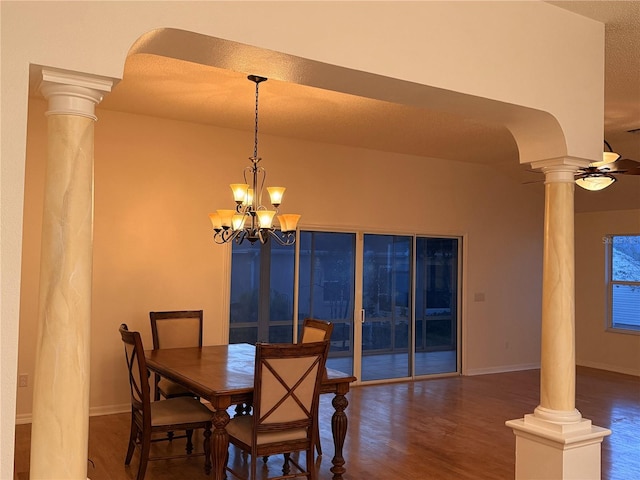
(138, 373)
(316, 330)
(176, 329)
(287, 386)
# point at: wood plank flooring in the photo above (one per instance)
(441, 429)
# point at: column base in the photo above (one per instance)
(548, 450)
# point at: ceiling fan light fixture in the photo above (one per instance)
(595, 182)
(608, 156)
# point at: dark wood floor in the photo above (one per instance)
(442, 429)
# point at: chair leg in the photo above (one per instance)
(286, 468)
(317, 441)
(144, 454)
(189, 442)
(311, 467)
(133, 437)
(207, 449)
(254, 467)
(156, 390)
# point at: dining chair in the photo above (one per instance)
(285, 404)
(314, 330)
(174, 329)
(148, 418)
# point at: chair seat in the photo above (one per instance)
(179, 410)
(172, 389)
(240, 428)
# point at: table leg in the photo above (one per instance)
(339, 429)
(219, 444)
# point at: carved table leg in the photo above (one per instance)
(219, 444)
(339, 429)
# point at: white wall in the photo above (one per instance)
(156, 181)
(595, 346)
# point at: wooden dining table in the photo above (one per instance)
(223, 375)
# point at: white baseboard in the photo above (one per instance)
(110, 410)
(93, 412)
(611, 368)
(501, 369)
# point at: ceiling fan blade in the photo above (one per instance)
(626, 166)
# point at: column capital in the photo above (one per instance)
(562, 169)
(72, 93)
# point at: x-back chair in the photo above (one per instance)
(285, 406)
(147, 417)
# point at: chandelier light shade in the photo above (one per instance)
(251, 220)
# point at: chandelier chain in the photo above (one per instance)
(255, 131)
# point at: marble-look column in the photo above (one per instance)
(60, 429)
(555, 442)
(557, 372)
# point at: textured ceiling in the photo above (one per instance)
(203, 94)
(192, 92)
(622, 68)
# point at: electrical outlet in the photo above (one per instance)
(23, 380)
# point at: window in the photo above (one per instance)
(623, 281)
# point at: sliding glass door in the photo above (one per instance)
(262, 292)
(386, 306)
(326, 289)
(402, 291)
(436, 306)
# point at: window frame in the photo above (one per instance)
(608, 241)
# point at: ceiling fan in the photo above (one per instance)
(599, 175)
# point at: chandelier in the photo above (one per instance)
(251, 220)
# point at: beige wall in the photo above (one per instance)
(498, 50)
(596, 347)
(156, 180)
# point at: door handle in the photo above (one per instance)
(362, 315)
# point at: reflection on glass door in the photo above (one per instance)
(386, 303)
(326, 289)
(261, 293)
(436, 311)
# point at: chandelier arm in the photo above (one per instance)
(287, 239)
(264, 178)
(244, 173)
(224, 236)
(239, 238)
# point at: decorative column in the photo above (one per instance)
(60, 429)
(555, 442)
